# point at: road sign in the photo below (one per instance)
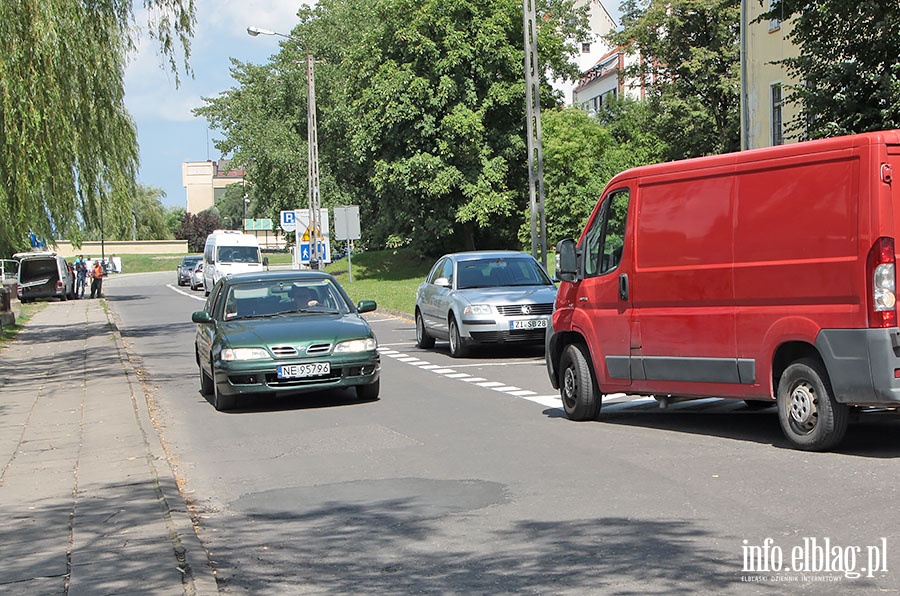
(346, 223)
(288, 221)
(305, 232)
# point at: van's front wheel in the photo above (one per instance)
(809, 415)
(577, 388)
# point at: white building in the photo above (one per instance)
(592, 49)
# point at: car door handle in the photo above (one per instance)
(623, 286)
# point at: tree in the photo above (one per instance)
(67, 144)
(690, 60)
(847, 67)
(195, 228)
(421, 115)
(144, 219)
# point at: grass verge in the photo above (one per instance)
(26, 311)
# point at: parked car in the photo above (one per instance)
(44, 275)
(484, 297)
(196, 280)
(186, 267)
(283, 333)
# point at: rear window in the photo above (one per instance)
(30, 269)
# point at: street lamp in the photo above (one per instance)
(245, 202)
(312, 148)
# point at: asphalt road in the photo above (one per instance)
(466, 478)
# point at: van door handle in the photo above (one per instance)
(623, 286)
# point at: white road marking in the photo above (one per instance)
(183, 293)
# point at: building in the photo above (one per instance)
(606, 81)
(600, 23)
(205, 181)
(764, 84)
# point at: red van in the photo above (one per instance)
(762, 275)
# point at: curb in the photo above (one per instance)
(199, 577)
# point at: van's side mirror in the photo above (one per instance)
(265, 261)
(567, 261)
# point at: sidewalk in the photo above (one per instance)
(88, 501)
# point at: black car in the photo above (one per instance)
(186, 267)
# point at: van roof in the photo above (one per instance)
(28, 255)
(889, 137)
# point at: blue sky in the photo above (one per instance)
(168, 134)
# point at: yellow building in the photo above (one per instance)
(764, 85)
(205, 181)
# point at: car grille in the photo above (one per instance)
(515, 310)
(291, 351)
(284, 351)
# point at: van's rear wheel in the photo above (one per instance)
(809, 415)
(578, 388)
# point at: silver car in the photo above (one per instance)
(484, 297)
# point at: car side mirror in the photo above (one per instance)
(567, 260)
(201, 317)
(443, 282)
(265, 261)
(366, 306)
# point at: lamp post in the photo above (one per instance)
(312, 143)
(245, 202)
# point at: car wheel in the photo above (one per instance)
(457, 347)
(193, 287)
(809, 415)
(423, 340)
(221, 402)
(368, 392)
(578, 388)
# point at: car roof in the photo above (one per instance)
(486, 254)
(279, 275)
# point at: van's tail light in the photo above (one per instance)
(59, 286)
(881, 270)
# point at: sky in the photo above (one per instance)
(168, 133)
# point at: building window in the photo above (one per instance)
(585, 47)
(774, 24)
(777, 124)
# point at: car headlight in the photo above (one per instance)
(232, 354)
(356, 345)
(478, 309)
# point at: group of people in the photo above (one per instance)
(83, 272)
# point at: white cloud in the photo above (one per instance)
(221, 32)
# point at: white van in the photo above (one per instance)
(43, 275)
(228, 252)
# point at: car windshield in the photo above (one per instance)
(190, 261)
(283, 297)
(239, 254)
(501, 272)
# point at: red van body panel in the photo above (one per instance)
(734, 266)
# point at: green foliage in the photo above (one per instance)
(420, 114)
(231, 206)
(67, 144)
(848, 68)
(690, 60)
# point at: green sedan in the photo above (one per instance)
(281, 333)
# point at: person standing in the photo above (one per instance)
(97, 280)
(80, 276)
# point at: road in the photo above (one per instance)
(466, 478)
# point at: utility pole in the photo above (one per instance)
(312, 145)
(533, 130)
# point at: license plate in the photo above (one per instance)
(528, 324)
(300, 371)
